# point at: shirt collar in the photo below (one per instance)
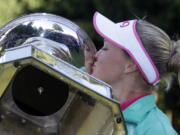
(138, 110)
(127, 103)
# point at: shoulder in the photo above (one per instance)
(143, 117)
(156, 123)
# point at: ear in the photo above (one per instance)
(130, 67)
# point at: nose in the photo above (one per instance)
(97, 55)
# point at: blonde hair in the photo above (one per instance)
(164, 52)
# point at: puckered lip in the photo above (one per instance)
(94, 64)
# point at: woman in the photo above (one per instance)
(134, 57)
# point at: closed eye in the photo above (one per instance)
(104, 48)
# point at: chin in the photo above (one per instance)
(98, 76)
(95, 75)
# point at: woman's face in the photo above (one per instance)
(110, 63)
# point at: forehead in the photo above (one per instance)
(107, 43)
(110, 45)
(115, 48)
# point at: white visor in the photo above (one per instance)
(124, 36)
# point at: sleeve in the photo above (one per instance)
(155, 131)
(159, 130)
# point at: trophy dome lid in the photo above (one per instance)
(57, 35)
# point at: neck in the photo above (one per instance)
(129, 88)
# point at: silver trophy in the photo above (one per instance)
(42, 89)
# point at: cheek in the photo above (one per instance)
(108, 70)
(101, 67)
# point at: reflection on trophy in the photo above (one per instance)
(42, 89)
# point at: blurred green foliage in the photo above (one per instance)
(163, 13)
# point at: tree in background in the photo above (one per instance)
(163, 13)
